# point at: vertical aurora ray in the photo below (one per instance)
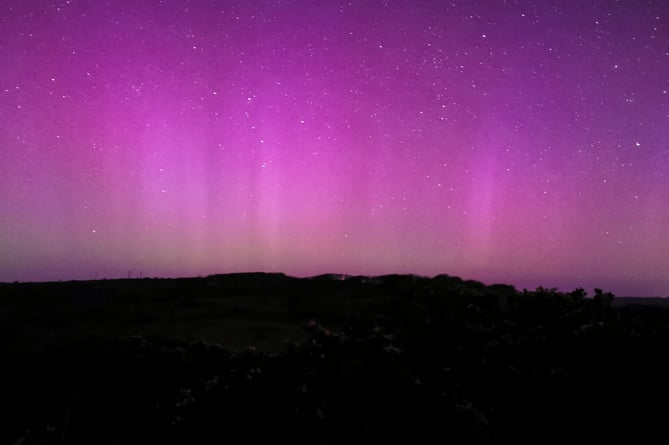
(523, 142)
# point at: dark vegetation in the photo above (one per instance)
(332, 359)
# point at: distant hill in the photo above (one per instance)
(328, 359)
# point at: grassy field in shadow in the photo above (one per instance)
(329, 359)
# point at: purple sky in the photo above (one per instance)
(524, 142)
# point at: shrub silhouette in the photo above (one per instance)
(414, 359)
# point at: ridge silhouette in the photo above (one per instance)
(327, 359)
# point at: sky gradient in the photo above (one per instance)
(524, 142)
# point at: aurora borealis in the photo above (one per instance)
(523, 142)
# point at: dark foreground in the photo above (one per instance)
(395, 359)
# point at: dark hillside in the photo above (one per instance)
(330, 359)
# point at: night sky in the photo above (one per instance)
(524, 142)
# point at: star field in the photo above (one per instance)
(523, 142)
